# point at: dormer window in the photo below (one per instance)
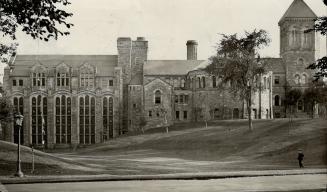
(62, 79)
(38, 79)
(87, 79)
(87, 76)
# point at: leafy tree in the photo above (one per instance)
(41, 19)
(316, 93)
(321, 64)
(291, 100)
(292, 97)
(142, 123)
(6, 109)
(238, 63)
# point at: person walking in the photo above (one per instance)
(300, 158)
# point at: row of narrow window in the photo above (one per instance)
(299, 37)
(182, 99)
(63, 113)
(178, 115)
(19, 82)
(63, 80)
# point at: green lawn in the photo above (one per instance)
(223, 146)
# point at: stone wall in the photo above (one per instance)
(158, 114)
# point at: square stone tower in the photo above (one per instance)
(297, 47)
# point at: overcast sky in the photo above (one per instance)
(166, 24)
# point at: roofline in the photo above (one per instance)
(284, 15)
(157, 79)
(175, 60)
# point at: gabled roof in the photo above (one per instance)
(276, 65)
(156, 81)
(170, 67)
(105, 64)
(298, 9)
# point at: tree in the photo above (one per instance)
(291, 100)
(41, 19)
(6, 109)
(292, 97)
(316, 93)
(237, 62)
(142, 123)
(321, 64)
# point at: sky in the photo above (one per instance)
(166, 24)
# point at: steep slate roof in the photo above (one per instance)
(170, 67)
(298, 9)
(105, 64)
(276, 65)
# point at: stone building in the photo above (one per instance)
(70, 100)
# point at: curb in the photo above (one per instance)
(181, 176)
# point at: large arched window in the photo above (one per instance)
(39, 120)
(63, 119)
(265, 82)
(292, 36)
(183, 83)
(306, 37)
(157, 97)
(18, 107)
(87, 120)
(214, 81)
(203, 82)
(304, 78)
(297, 79)
(277, 98)
(300, 62)
(108, 118)
(199, 82)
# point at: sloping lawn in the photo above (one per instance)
(45, 164)
(225, 145)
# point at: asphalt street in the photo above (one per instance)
(267, 183)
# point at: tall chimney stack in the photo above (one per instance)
(192, 46)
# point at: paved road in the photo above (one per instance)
(271, 183)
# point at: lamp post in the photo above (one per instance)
(18, 121)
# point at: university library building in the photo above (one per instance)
(76, 100)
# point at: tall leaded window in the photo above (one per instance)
(157, 97)
(18, 108)
(63, 119)
(183, 83)
(297, 79)
(203, 82)
(108, 118)
(304, 79)
(39, 120)
(214, 81)
(87, 120)
(277, 100)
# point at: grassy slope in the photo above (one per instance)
(44, 163)
(271, 143)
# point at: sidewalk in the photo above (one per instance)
(177, 176)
